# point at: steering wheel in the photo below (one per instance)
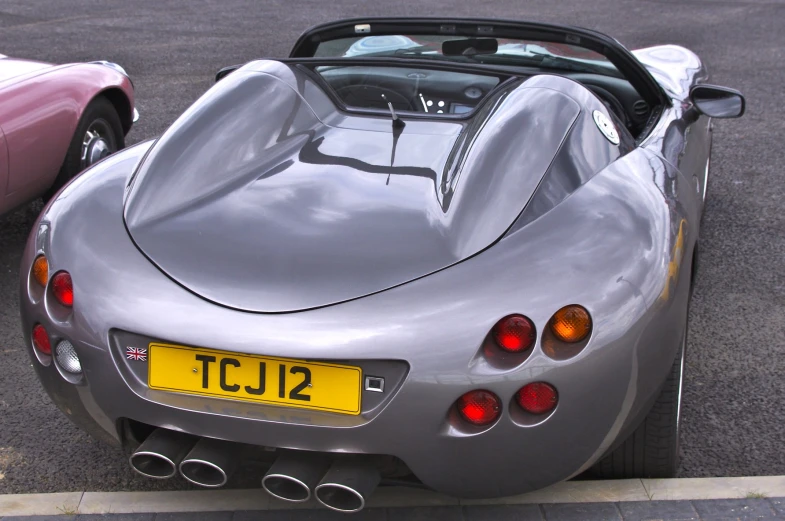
(613, 104)
(370, 96)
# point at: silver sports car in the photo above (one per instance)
(446, 253)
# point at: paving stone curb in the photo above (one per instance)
(695, 498)
(675, 510)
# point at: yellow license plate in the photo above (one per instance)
(279, 381)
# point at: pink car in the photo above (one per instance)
(55, 121)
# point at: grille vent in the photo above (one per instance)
(640, 108)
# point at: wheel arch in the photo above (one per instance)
(121, 103)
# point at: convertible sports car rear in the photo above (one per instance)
(423, 254)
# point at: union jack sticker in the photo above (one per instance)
(136, 353)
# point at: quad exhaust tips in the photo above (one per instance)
(161, 453)
(294, 475)
(343, 486)
(210, 463)
(347, 485)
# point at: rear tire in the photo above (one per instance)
(98, 134)
(652, 450)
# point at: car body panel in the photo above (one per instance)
(39, 112)
(675, 68)
(612, 228)
(686, 142)
(325, 215)
(3, 160)
(13, 68)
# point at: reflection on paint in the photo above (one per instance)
(675, 263)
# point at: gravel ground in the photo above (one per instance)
(734, 403)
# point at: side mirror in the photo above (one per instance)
(717, 102)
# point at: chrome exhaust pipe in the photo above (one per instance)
(210, 463)
(160, 454)
(347, 485)
(293, 476)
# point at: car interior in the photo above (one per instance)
(450, 93)
(366, 73)
(449, 77)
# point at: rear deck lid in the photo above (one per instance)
(264, 197)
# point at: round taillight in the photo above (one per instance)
(537, 398)
(41, 270)
(67, 357)
(63, 288)
(571, 324)
(479, 407)
(514, 333)
(41, 339)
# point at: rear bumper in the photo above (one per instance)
(414, 425)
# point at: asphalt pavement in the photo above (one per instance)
(734, 402)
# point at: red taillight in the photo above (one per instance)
(537, 398)
(63, 288)
(479, 407)
(41, 339)
(514, 333)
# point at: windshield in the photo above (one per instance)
(506, 51)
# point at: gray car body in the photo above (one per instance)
(329, 279)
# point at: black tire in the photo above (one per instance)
(100, 115)
(652, 450)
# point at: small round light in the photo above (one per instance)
(571, 324)
(67, 358)
(514, 333)
(63, 288)
(41, 340)
(537, 398)
(41, 270)
(479, 407)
